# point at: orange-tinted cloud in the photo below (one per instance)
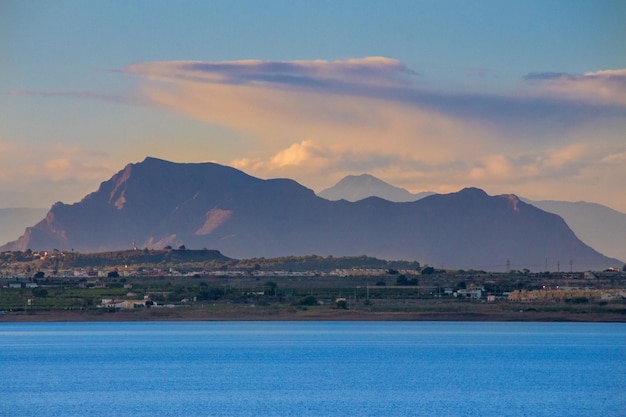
(54, 170)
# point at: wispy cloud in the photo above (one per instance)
(319, 74)
(605, 88)
(83, 95)
(541, 76)
(390, 80)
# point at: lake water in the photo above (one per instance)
(312, 369)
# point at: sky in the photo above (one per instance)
(525, 98)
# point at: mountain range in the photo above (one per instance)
(599, 226)
(156, 203)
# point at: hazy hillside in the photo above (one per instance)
(157, 203)
(599, 226)
(13, 221)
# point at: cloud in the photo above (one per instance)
(385, 80)
(600, 88)
(318, 74)
(83, 95)
(304, 156)
(576, 169)
(534, 76)
(53, 170)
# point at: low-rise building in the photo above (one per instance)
(475, 294)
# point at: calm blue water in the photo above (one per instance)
(312, 369)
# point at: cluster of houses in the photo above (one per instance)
(554, 294)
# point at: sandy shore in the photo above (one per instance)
(299, 315)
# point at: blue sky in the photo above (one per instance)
(513, 97)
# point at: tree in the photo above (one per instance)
(403, 280)
(308, 301)
(39, 274)
(211, 294)
(40, 292)
(270, 288)
(428, 270)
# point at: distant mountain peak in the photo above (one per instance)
(359, 187)
(362, 178)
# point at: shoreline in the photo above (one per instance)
(299, 315)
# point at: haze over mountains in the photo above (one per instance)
(601, 227)
(157, 203)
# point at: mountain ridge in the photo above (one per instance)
(156, 203)
(601, 227)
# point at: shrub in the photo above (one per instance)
(308, 301)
